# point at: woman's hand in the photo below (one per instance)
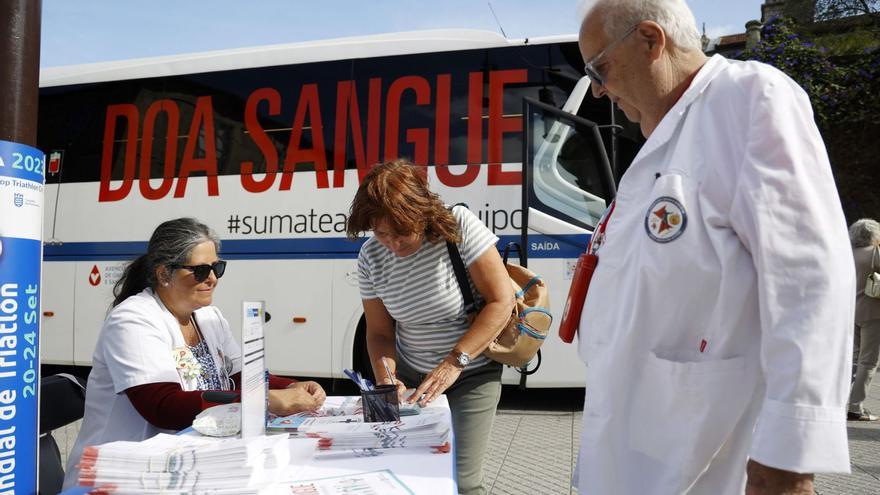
(437, 381)
(401, 387)
(298, 397)
(313, 388)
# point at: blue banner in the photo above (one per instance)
(20, 161)
(21, 224)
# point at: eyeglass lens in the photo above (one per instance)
(593, 75)
(201, 272)
(589, 67)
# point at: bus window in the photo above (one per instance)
(570, 176)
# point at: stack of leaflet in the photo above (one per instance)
(350, 410)
(428, 429)
(300, 424)
(174, 464)
(350, 406)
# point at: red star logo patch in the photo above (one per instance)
(665, 219)
(663, 215)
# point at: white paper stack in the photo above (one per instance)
(294, 423)
(350, 410)
(172, 464)
(427, 429)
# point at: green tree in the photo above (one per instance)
(844, 89)
(838, 9)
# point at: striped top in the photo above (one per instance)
(421, 293)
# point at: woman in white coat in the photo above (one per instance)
(163, 343)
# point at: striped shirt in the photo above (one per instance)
(421, 293)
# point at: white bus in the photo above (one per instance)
(267, 145)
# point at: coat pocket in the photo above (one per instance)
(683, 412)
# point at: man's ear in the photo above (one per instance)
(650, 33)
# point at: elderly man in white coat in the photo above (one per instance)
(717, 329)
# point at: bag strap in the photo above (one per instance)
(874, 256)
(470, 306)
(519, 250)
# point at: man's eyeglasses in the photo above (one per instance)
(590, 66)
(201, 272)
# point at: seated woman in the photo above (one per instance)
(163, 343)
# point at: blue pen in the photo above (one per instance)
(361, 381)
(353, 377)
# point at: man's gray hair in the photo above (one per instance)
(864, 232)
(674, 16)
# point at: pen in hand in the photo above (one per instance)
(388, 371)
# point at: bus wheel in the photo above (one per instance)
(360, 357)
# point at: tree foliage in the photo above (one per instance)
(837, 9)
(844, 88)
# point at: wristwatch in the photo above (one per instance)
(460, 359)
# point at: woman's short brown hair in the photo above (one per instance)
(397, 192)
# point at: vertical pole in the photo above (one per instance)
(19, 70)
(21, 228)
(615, 170)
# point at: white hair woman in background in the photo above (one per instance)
(864, 235)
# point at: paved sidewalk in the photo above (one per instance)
(536, 435)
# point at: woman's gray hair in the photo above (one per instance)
(674, 16)
(171, 244)
(864, 232)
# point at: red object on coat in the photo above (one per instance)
(577, 294)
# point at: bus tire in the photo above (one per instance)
(360, 357)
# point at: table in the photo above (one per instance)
(423, 470)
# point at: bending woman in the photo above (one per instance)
(414, 308)
(163, 343)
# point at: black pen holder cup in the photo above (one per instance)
(380, 404)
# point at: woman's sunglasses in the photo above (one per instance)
(201, 272)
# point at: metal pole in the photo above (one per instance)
(19, 69)
(22, 179)
(614, 130)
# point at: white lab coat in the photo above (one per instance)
(135, 348)
(725, 333)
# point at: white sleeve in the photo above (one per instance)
(136, 348)
(365, 280)
(476, 238)
(787, 213)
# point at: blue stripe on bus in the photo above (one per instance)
(540, 246)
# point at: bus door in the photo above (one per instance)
(567, 177)
(567, 184)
